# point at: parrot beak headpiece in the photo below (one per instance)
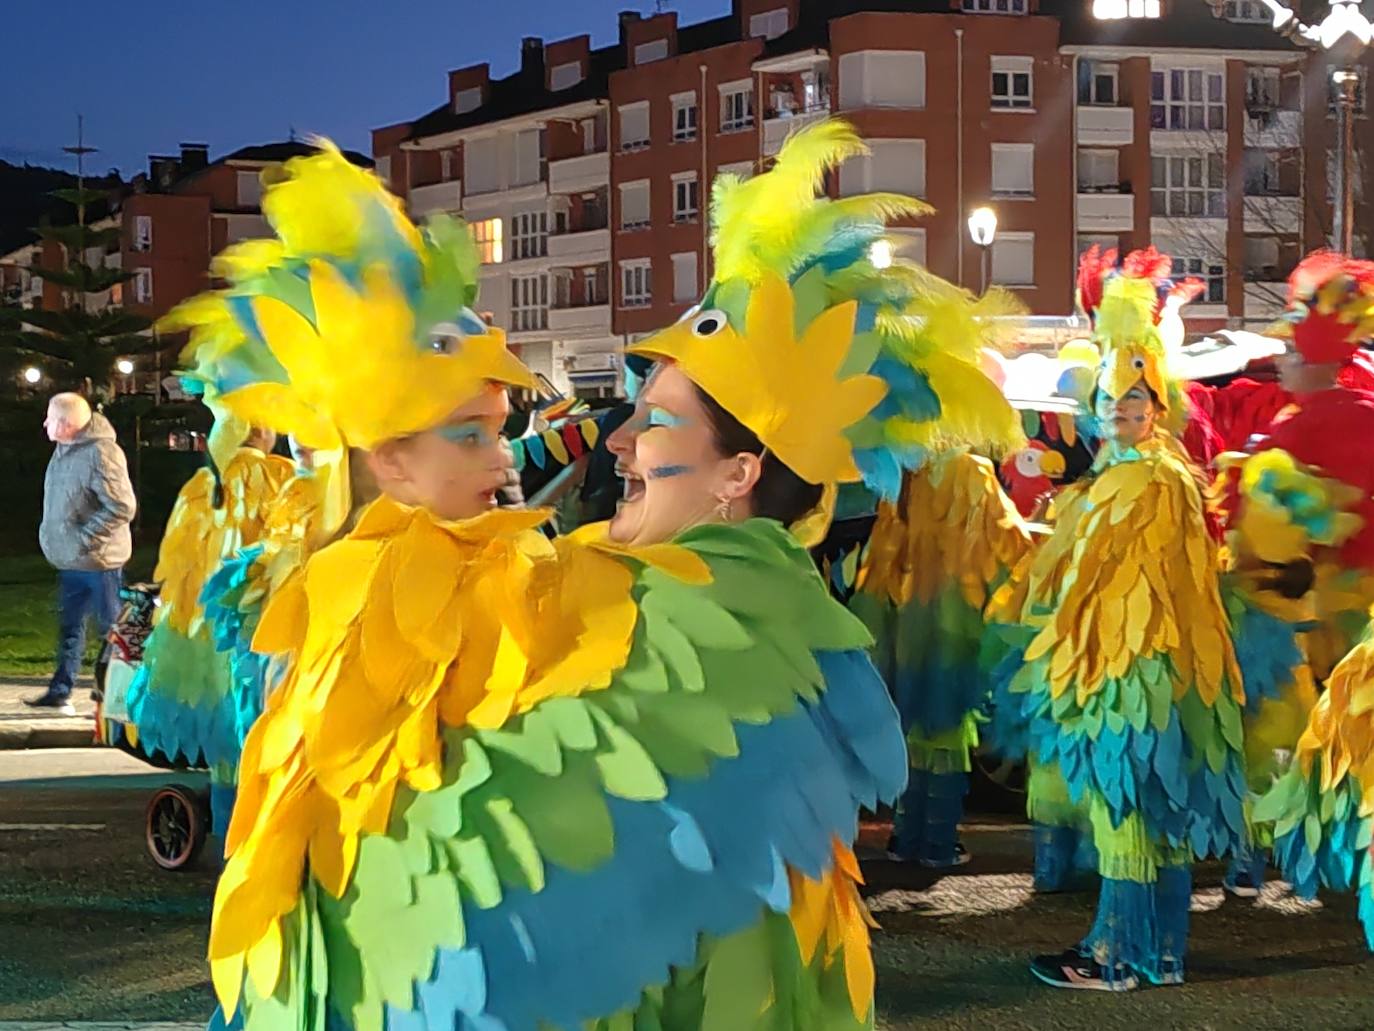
(353, 326)
(1052, 464)
(1125, 331)
(842, 367)
(1330, 309)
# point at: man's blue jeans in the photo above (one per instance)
(81, 594)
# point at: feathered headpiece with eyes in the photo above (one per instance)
(352, 326)
(1330, 307)
(843, 368)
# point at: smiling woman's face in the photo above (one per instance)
(1127, 420)
(675, 476)
(455, 469)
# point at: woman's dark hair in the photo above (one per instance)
(780, 493)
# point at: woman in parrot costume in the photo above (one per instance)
(180, 702)
(1123, 685)
(609, 781)
(937, 553)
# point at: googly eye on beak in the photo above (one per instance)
(445, 338)
(1138, 363)
(709, 323)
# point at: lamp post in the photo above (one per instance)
(32, 375)
(982, 229)
(1344, 35)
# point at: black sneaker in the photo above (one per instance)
(1071, 969)
(60, 706)
(961, 857)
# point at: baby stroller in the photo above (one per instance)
(177, 816)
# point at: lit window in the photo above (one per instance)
(684, 117)
(736, 108)
(994, 6)
(1188, 186)
(1011, 82)
(529, 303)
(1187, 98)
(1212, 271)
(686, 198)
(488, 237)
(636, 288)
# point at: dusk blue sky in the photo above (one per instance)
(148, 76)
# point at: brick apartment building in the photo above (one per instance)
(585, 173)
(172, 220)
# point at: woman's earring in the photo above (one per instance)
(724, 507)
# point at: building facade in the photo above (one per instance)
(1120, 123)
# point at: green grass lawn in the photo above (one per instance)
(28, 614)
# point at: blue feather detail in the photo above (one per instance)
(1267, 652)
(694, 863)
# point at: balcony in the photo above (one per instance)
(592, 320)
(1273, 215)
(1264, 300)
(583, 173)
(425, 200)
(1106, 212)
(1105, 126)
(1273, 129)
(588, 247)
(777, 126)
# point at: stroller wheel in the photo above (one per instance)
(176, 823)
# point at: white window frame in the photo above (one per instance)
(1193, 186)
(737, 106)
(489, 235)
(994, 6)
(1184, 96)
(769, 24)
(686, 197)
(529, 302)
(1120, 10)
(1011, 69)
(529, 234)
(636, 283)
(1105, 165)
(651, 50)
(861, 65)
(143, 285)
(686, 289)
(1211, 271)
(686, 115)
(466, 100)
(1018, 153)
(636, 224)
(565, 76)
(1263, 86)
(640, 142)
(591, 287)
(1098, 70)
(1026, 240)
(143, 233)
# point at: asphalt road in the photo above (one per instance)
(90, 930)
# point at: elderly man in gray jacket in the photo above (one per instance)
(88, 503)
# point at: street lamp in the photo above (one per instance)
(982, 229)
(32, 375)
(1344, 34)
(880, 254)
(125, 367)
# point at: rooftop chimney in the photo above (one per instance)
(627, 18)
(194, 157)
(532, 59)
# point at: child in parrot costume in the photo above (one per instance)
(180, 701)
(611, 780)
(937, 553)
(1122, 684)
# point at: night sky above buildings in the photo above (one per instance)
(230, 73)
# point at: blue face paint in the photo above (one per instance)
(659, 417)
(667, 472)
(467, 434)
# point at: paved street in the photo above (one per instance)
(91, 931)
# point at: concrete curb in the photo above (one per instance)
(49, 733)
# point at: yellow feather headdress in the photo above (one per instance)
(353, 326)
(843, 368)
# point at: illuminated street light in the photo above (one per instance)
(32, 375)
(982, 229)
(125, 366)
(880, 254)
